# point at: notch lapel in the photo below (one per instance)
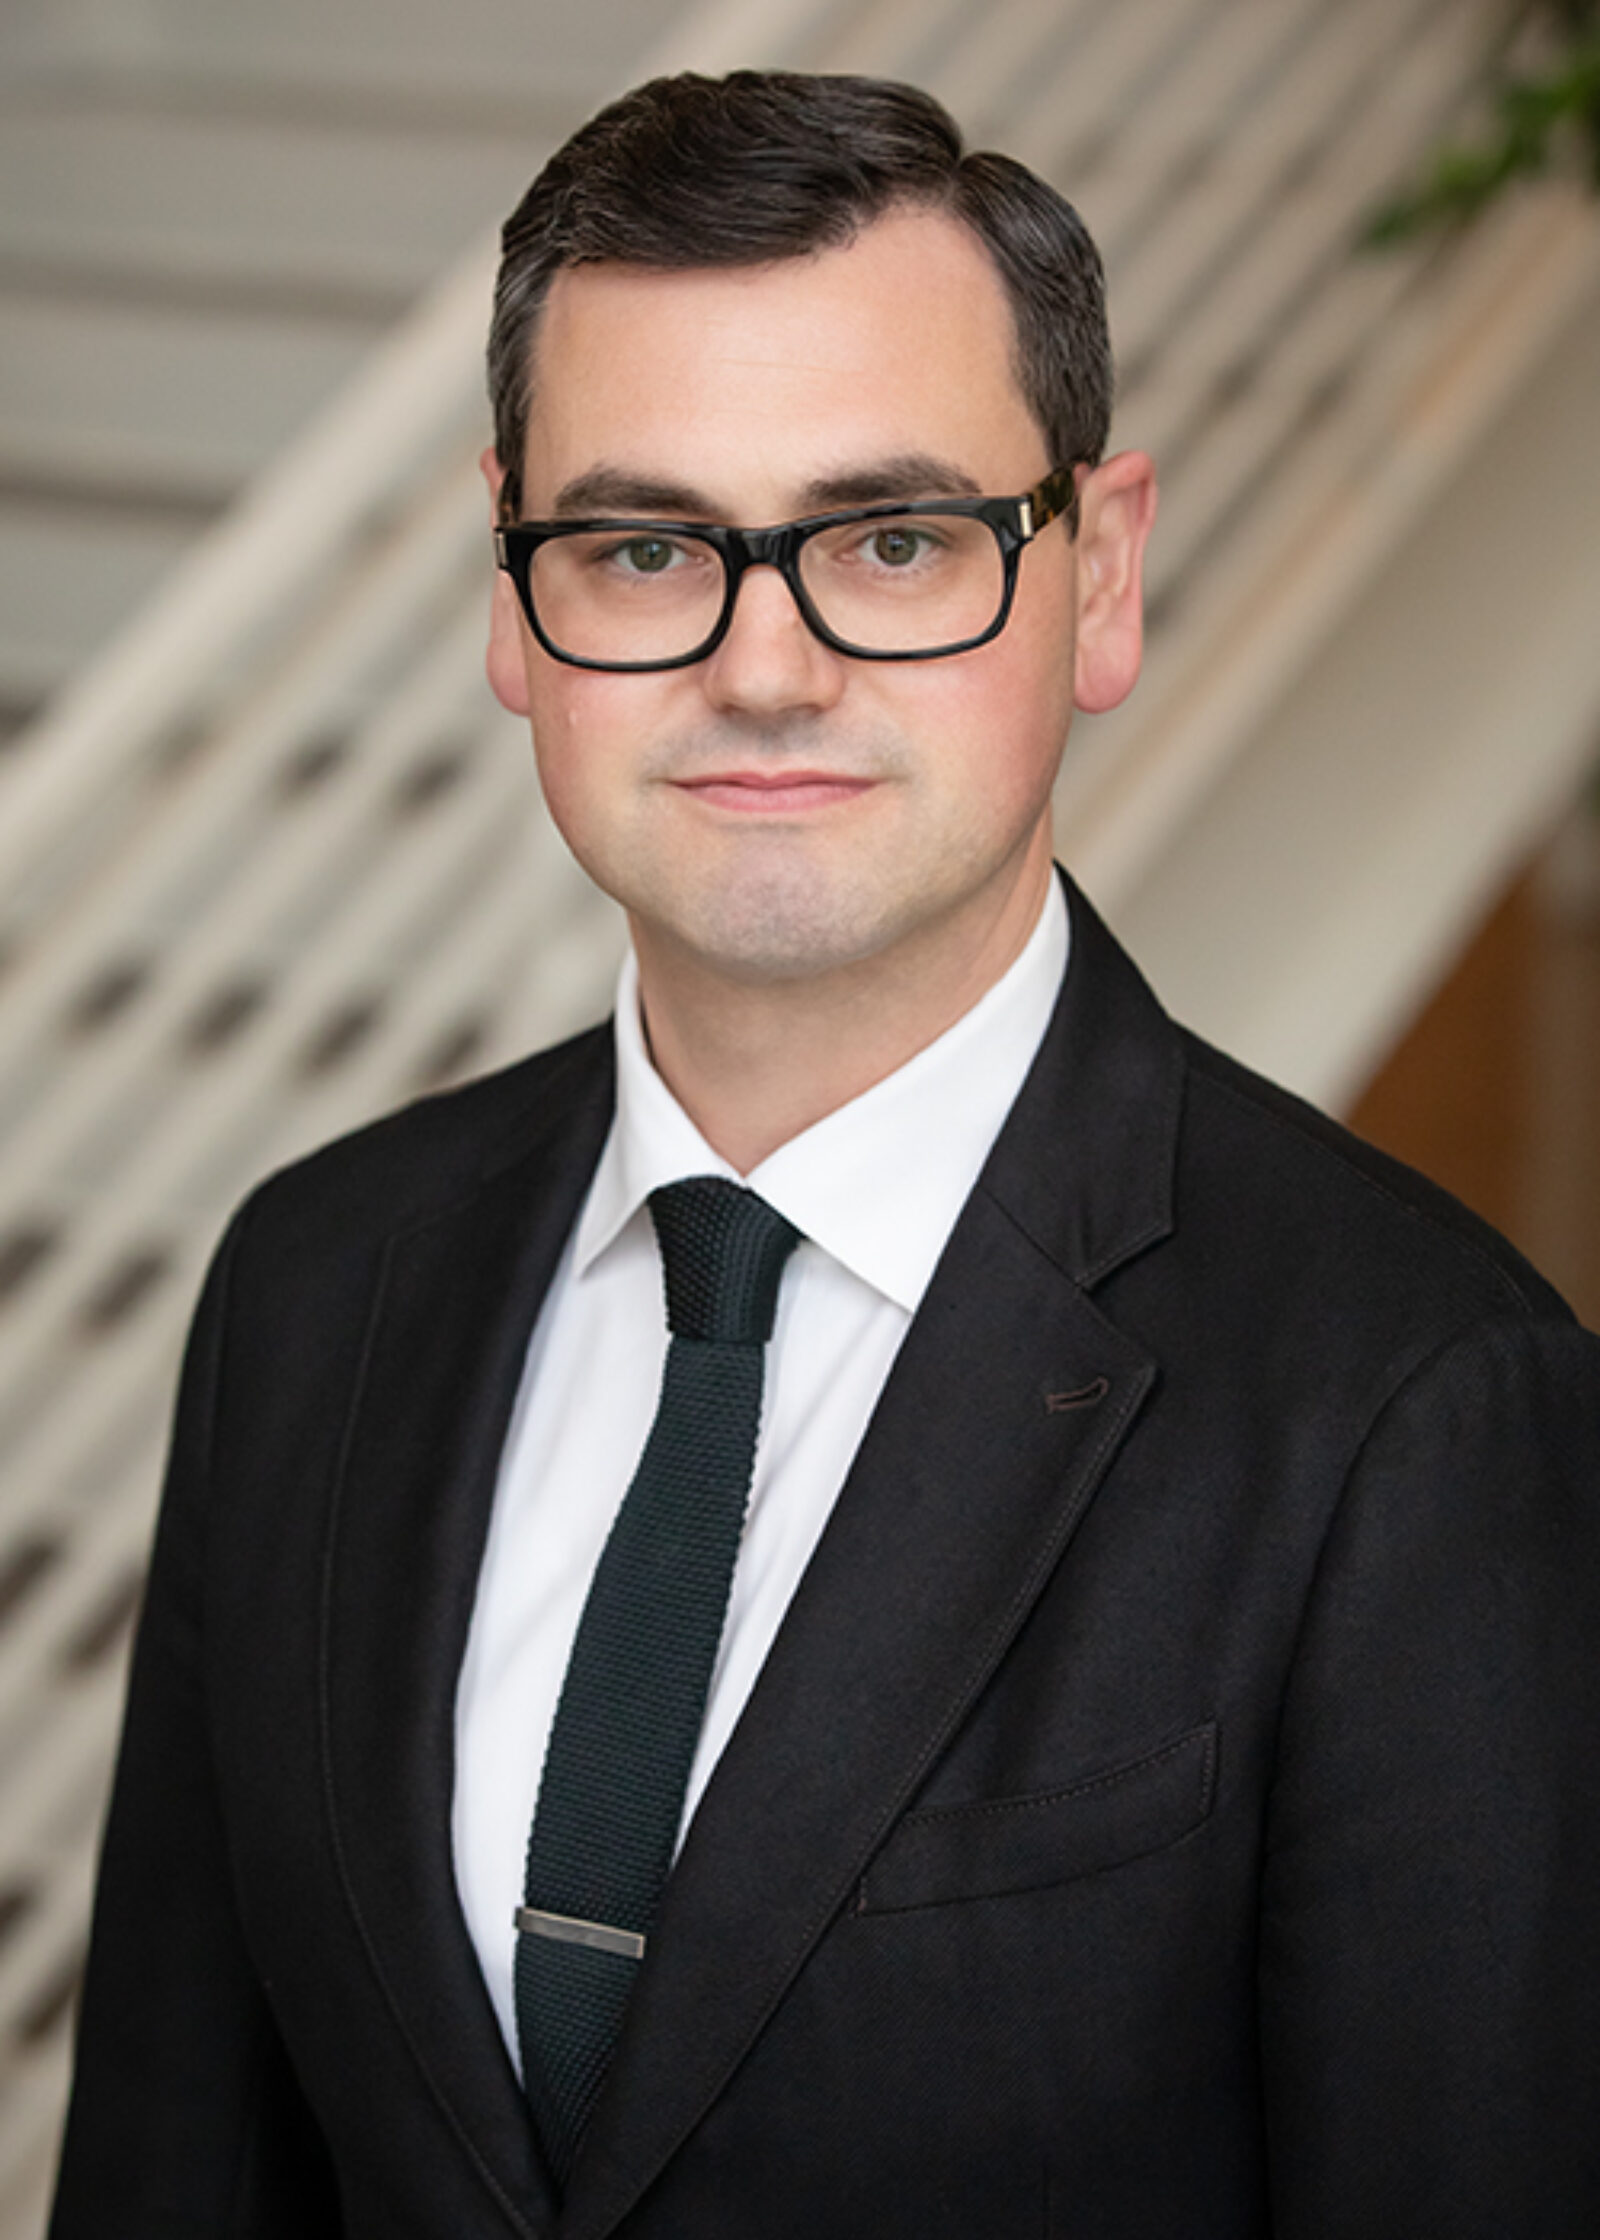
(1006, 1405)
(447, 1340)
(850, 1713)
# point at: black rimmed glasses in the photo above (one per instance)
(888, 582)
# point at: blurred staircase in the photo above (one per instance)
(208, 215)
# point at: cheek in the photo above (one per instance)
(1001, 720)
(590, 736)
(1036, 693)
(568, 752)
(1043, 631)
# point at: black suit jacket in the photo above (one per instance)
(1169, 1810)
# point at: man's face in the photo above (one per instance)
(779, 811)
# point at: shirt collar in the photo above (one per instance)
(846, 1182)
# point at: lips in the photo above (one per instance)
(774, 792)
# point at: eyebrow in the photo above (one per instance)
(911, 475)
(616, 490)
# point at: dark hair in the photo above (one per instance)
(693, 172)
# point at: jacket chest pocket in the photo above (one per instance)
(950, 1852)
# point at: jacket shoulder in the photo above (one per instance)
(1348, 1216)
(409, 1164)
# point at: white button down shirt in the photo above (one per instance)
(874, 1189)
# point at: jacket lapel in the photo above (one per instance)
(1008, 1401)
(456, 1303)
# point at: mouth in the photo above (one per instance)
(774, 792)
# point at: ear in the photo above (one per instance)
(1117, 505)
(506, 659)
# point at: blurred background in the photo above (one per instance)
(270, 860)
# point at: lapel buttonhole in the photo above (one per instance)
(1061, 1403)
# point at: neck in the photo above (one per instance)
(754, 1063)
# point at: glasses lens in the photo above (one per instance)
(910, 583)
(627, 594)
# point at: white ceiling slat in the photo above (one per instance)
(1182, 130)
(1279, 584)
(1307, 233)
(64, 582)
(29, 2114)
(995, 50)
(1104, 82)
(1387, 791)
(1241, 444)
(244, 942)
(308, 699)
(1167, 278)
(889, 38)
(110, 397)
(315, 987)
(47, 1784)
(313, 505)
(370, 216)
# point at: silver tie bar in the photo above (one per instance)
(562, 1929)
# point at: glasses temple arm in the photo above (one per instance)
(1048, 501)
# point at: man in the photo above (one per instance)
(1144, 1781)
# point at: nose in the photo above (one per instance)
(769, 664)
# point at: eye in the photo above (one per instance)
(896, 546)
(645, 556)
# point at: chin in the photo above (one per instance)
(776, 930)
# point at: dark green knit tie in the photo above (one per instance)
(625, 1729)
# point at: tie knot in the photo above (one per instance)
(722, 1254)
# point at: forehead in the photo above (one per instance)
(749, 383)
